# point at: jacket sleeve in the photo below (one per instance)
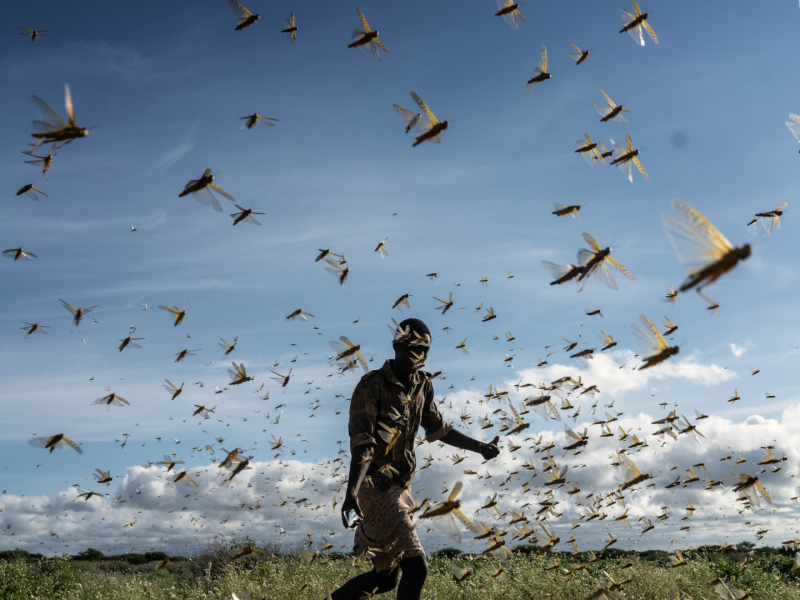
(363, 414)
(432, 421)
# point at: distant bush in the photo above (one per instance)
(156, 556)
(447, 553)
(88, 554)
(525, 549)
(17, 554)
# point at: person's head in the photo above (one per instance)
(415, 339)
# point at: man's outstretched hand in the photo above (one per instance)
(351, 503)
(490, 450)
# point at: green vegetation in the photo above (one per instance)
(767, 575)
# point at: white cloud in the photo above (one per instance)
(739, 349)
(180, 519)
(613, 373)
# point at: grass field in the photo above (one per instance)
(767, 576)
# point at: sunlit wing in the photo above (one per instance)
(626, 168)
(206, 198)
(584, 257)
(543, 61)
(341, 349)
(650, 31)
(264, 122)
(604, 110)
(358, 34)
(620, 267)
(794, 125)
(622, 151)
(362, 361)
(592, 243)
(509, 17)
(627, 16)
(363, 20)
(409, 118)
(654, 332)
(536, 72)
(455, 491)
(607, 98)
(598, 156)
(370, 48)
(631, 470)
(640, 166)
(587, 155)
(39, 442)
(635, 32)
(696, 241)
(603, 274)
(240, 13)
(556, 271)
(646, 344)
(427, 111)
(336, 272)
(50, 122)
(220, 191)
(516, 414)
(465, 521)
(721, 589)
(32, 194)
(763, 491)
(70, 107)
(446, 525)
(629, 141)
(289, 24)
(69, 307)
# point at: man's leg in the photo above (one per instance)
(366, 582)
(415, 571)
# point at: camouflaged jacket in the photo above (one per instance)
(375, 396)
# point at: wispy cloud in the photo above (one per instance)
(173, 155)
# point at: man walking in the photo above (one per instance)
(386, 411)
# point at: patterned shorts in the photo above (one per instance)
(385, 521)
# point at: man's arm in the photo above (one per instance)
(459, 440)
(361, 427)
(359, 464)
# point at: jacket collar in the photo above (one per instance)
(388, 374)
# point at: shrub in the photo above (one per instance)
(88, 554)
(447, 553)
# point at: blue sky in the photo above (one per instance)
(165, 90)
